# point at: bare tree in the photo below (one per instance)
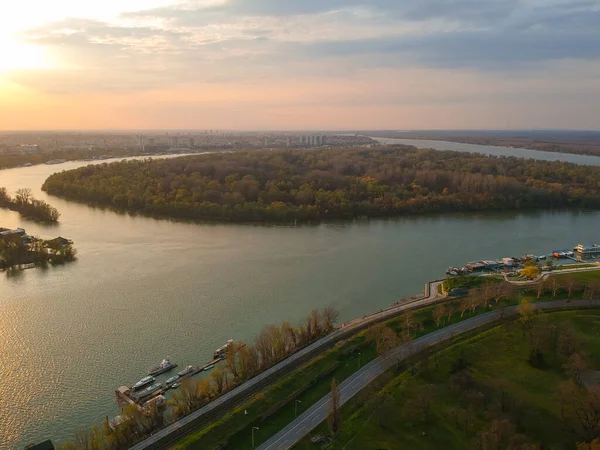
(23, 196)
(334, 417)
(330, 317)
(231, 358)
(581, 411)
(474, 300)
(463, 306)
(219, 378)
(384, 338)
(289, 336)
(185, 399)
(314, 322)
(248, 362)
(438, 313)
(571, 283)
(540, 288)
(450, 308)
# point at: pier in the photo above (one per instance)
(127, 396)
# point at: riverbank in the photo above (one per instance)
(215, 434)
(582, 143)
(73, 322)
(539, 155)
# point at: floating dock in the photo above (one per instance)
(127, 396)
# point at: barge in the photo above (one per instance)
(163, 367)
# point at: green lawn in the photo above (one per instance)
(470, 281)
(383, 416)
(581, 277)
(573, 266)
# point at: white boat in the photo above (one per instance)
(207, 368)
(143, 382)
(188, 369)
(172, 379)
(175, 385)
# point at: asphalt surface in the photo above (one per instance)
(167, 435)
(317, 413)
(545, 275)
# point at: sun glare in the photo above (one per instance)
(16, 55)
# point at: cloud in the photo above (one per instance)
(257, 40)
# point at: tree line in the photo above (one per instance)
(242, 362)
(28, 206)
(306, 185)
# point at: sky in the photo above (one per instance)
(299, 64)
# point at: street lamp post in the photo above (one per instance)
(359, 360)
(253, 428)
(296, 408)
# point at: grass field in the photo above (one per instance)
(588, 276)
(387, 415)
(471, 281)
(573, 266)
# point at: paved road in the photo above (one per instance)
(545, 275)
(306, 422)
(166, 436)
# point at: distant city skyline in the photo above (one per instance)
(300, 66)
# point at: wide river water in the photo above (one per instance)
(144, 289)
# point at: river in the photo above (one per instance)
(496, 150)
(144, 289)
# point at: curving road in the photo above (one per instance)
(312, 417)
(544, 276)
(175, 431)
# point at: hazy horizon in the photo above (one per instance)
(313, 130)
(273, 65)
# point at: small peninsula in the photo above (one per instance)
(28, 206)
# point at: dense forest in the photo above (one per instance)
(28, 206)
(307, 185)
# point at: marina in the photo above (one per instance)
(580, 253)
(140, 394)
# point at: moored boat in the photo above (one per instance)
(172, 379)
(150, 390)
(163, 367)
(175, 385)
(143, 382)
(184, 372)
(220, 352)
(207, 368)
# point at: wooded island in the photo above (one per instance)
(311, 185)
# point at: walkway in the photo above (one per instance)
(545, 275)
(317, 413)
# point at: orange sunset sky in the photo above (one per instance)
(326, 64)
